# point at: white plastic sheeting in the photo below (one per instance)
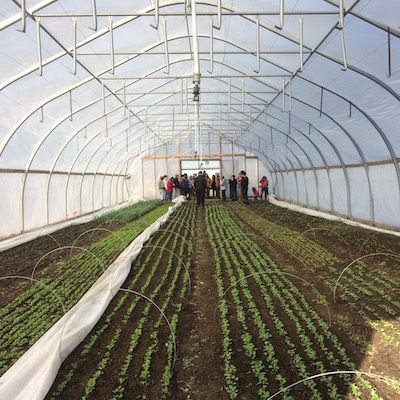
(30, 377)
(78, 107)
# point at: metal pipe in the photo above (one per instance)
(211, 47)
(196, 61)
(242, 94)
(281, 14)
(71, 113)
(341, 15)
(103, 92)
(23, 15)
(290, 96)
(389, 54)
(110, 28)
(257, 70)
(125, 98)
(321, 102)
(343, 50)
(219, 15)
(39, 45)
(301, 34)
(93, 15)
(230, 95)
(157, 11)
(164, 23)
(283, 108)
(41, 119)
(74, 29)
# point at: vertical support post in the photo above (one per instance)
(389, 53)
(219, 15)
(230, 96)
(124, 98)
(196, 61)
(258, 65)
(283, 95)
(74, 28)
(106, 121)
(290, 95)
(94, 15)
(321, 101)
(211, 47)
(301, 34)
(39, 45)
(41, 119)
(281, 14)
(103, 92)
(70, 106)
(110, 28)
(341, 27)
(157, 15)
(23, 15)
(182, 95)
(173, 119)
(164, 24)
(242, 94)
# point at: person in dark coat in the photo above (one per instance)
(200, 185)
(244, 187)
(233, 188)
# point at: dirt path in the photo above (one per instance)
(199, 370)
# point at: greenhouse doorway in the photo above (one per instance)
(191, 167)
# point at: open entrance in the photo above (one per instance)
(191, 167)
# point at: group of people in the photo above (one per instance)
(202, 185)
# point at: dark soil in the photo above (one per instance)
(199, 370)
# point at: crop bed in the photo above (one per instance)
(25, 319)
(132, 350)
(236, 302)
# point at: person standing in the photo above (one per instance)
(223, 188)
(213, 186)
(200, 187)
(169, 189)
(161, 188)
(244, 186)
(218, 186)
(264, 183)
(177, 186)
(233, 188)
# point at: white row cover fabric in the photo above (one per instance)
(87, 90)
(30, 377)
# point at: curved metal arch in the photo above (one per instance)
(375, 125)
(295, 156)
(238, 71)
(309, 160)
(144, 150)
(366, 115)
(75, 134)
(296, 99)
(354, 142)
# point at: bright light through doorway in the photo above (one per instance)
(190, 167)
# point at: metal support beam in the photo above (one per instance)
(257, 70)
(74, 29)
(93, 15)
(301, 40)
(211, 47)
(219, 15)
(39, 46)
(157, 15)
(111, 30)
(23, 15)
(164, 24)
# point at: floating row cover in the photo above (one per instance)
(311, 88)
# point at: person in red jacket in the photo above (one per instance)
(264, 186)
(169, 189)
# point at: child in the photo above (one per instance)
(256, 193)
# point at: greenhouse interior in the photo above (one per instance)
(201, 199)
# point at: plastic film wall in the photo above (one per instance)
(89, 91)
